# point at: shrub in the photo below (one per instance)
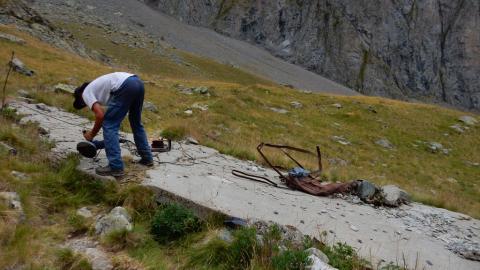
(173, 221)
(291, 260)
(243, 247)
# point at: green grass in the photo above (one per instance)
(239, 119)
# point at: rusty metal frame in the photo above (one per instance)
(283, 148)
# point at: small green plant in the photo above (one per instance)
(291, 260)
(78, 224)
(343, 257)
(9, 113)
(243, 248)
(68, 260)
(121, 239)
(172, 221)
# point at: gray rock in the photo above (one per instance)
(341, 140)
(202, 90)
(84, 212)
(117, 219)
(292, 235)
(21, 68)
(259, 239)
(468, 120)
(366, 190)
(64, 88)
(149, 106)
(469, 251)
(188, 112)
(43, 107)
(24, 93)
(200, 107)
(319, 264)
(11, 200)
(98, 259)
(318, 253)
(11, 38)
(8, 148)
(191, 140)
(354, 228)
(19, 175)
(435, 147)
(337, 105)
(278, 110)
(225, 235)
(385, 143)
(394, 196)
(296, 104)
(457, 128)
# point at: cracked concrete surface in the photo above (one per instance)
(418, 233)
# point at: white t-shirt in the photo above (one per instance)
(99, 90)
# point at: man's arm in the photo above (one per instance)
(99, 114)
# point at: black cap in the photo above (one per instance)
(78, 103)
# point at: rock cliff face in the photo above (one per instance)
(425, 49)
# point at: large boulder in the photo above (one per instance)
(117, 219)
(366, 190)
(394, 196)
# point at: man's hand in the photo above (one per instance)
(88, 135)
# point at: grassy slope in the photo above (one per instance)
(239, 118)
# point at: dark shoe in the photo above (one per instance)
(145, 162)
(107, 171)
(87, 149)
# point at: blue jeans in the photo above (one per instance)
(127, 99)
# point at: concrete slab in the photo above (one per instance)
(421, 235)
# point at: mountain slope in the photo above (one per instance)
(426, 50)
(136, 17)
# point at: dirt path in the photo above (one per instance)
(419, 234)
(137, 17)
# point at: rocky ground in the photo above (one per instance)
(140, 25)
(425, 236)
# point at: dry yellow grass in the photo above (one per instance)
(239, 118)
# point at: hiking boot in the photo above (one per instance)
(87, 149)
(107, 171)
(145, 162)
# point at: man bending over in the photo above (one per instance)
(121, 93)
